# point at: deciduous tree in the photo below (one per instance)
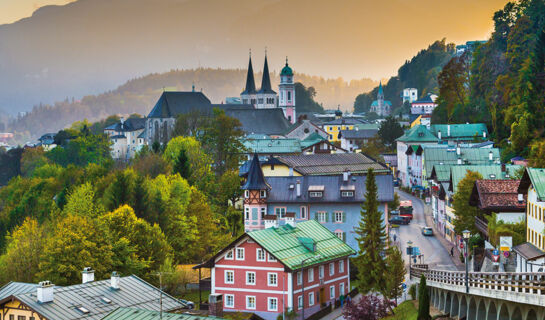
(465, 214)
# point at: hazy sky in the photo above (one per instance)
(13, 10)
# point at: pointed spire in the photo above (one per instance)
(380, 91)
(266, 80)
(250, 82)
(256, 179)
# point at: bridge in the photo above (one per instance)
(492, 295)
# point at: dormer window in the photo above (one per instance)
(263, 193)
(347, 194)
(315, 194)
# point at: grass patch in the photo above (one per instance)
(407, 310)
(193, 295)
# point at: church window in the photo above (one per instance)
(289, 95)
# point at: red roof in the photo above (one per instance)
(497, 196)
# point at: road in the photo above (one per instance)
(435, 254)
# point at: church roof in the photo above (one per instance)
(261, 121)
(380, 90)
(266, 80)
(256, 179)
(250, 83)
(131, 124)
(173, 103)
(375, 103)
(286, 71)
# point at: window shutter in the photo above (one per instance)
(326, 216)
(344, 236)
(344, 216)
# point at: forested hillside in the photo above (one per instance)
(503, 83)
(420, 72)
(139, 96)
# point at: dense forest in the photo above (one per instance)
(73, 206)
(503, 83)
(420, 72)
(139, 96)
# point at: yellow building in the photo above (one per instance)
(334, 128)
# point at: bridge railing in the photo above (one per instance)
(531, 283)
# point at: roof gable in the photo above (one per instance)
(447, 155)
(492, 172)
(534, 177)
(173, 103)
(335, 163)
(497, 196)
(260, 121)
(419, 133)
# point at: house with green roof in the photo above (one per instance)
(295, 267)
(460, 132)
(531, 255)
(141, 314)
(417, 135)
(267, 147)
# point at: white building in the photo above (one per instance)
(127, 137)
(410, 95)
(424, 106)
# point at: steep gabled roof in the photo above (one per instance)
(250, 82)
(266, 80)
(497, 196)
(491, 172)
(447, 155)
(536, 178)
(256, 179)
(173, 103)
(261, 121)
(419, 133)
(129, 125)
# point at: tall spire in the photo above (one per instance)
(380, 91)
(266, 80)
(256, 179)
(250, 82)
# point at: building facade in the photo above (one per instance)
(127, 137)
(381, 106)
(410, 95)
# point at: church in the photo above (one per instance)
(380, 106)
(266, 97)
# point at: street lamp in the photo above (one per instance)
(303, 283)
(466, 234)
(410, 253)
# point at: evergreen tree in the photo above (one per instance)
(395, 267)
(182, 165)
(423, 300)
(371, 237)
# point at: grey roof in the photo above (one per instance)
(529, 251)
(261, 121)
(15, 288)
(359, 134)
(250, 83)
(139, 314)
(390, 158)
(281, 191)
(118, 136)
(334, 163)
(131, 124)
(266, 80)
(256, 180)
(341, 121)
(173, 103)
(133, 292)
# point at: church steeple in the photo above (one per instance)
(266, 80)
(256, 179)
(250, 82)
(380, 95)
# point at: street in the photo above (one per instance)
(434, 254)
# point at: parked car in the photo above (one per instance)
(427, 231)
(399, 220)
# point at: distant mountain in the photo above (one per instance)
(139, 96)
(90, 46)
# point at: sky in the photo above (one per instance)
(13, 10)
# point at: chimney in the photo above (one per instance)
(290, 219)
(271, 221)
(87, 275)
(345, 175)
(291, 172)
(45, 291)
(439, 134)
(357, 128)
(298, 188)
(448, 130)
(490, 156)
(521, 198)
(122, 120)
(215, 305)
(114, 281)
(459, 160)
(458, 150)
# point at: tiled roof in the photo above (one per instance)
(273, 146)
(282, 192)
(285, 244)
(535, 177)
(492, 172)
(466, 131)
(497, 196)
(133, 292)
(419, 133)
(323, 164)
(529, 251)
(139, 314)
(447, 155)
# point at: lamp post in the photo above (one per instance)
(303, 283)
(466, 234)
(410, 253)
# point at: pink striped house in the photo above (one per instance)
(266, 271)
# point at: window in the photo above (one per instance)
(263, 212)
(341, 288)
(246, 194)
(341, 266)
(271, 258)
(347, 194)
(339, 217)
(331, 268)
(272, 304)
(260, 255)
(303, 212)
(250, 302)
(250, 278)
(332, 292)
(229, 276)
(321, 272)
(246, 213)
(240, 253)
(340, 235)
(229, 255)
(311, 299)
(21, 318)
(229, 301)
(300, 302)
(315, 194)
(11, 317)
(310, 274)
(289, 95)
(280, 211)
(272, 279)
(321, 217)
(263, 193)
(299, 278)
